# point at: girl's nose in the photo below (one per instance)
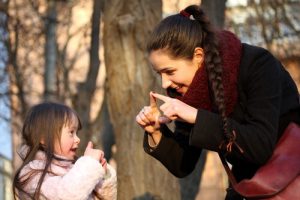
(165, 82)
(77, 139)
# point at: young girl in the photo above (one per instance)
(224, 95)
(50, 169)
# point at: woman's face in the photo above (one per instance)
(176, 73)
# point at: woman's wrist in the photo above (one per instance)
(154, 138)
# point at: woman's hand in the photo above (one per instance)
(175, 109)
(148, 117)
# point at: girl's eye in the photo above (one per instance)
(72, 132)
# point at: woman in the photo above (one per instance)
(224, 96)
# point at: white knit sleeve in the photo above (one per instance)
(107, 186)
(77, 184)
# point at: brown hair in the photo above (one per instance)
(179, 35)
(43, 122)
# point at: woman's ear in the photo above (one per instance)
(42, 141)
(198, 56)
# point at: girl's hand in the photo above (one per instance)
(148, 117)
(94, 153)
(175, 109)
(104, 163)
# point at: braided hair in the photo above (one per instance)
(179, 35)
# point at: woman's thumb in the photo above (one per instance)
(164, 120)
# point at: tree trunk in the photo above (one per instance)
(18, 105)
(86, 89)
(189, 186)
(127, 25)
(105, 137)
(50, 53)
(215, 10)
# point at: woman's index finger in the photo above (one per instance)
(160, 97)
(152, 100)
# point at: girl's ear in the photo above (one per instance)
(198, 56)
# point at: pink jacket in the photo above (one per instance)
(72, 181)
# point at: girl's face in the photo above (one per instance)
(69, 140)
(176, 73)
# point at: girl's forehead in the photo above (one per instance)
(71, 121)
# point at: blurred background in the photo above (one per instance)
(89, 54)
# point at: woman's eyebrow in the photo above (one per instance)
(166, 69)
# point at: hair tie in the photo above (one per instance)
(186, 14)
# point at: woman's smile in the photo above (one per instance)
(176, 74)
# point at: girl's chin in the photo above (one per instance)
(70, 155)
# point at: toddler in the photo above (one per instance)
(50, 168)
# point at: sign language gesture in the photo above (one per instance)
(175, 109)
(148, 117)
(97, 154)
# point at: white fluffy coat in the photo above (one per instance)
(72, 181)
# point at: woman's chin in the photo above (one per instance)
(181, 91)
(173, 93)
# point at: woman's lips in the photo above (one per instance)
(178, 89)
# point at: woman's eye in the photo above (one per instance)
(170, 72)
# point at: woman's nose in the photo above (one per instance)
(165, 82)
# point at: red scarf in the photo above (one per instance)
(198, 94)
